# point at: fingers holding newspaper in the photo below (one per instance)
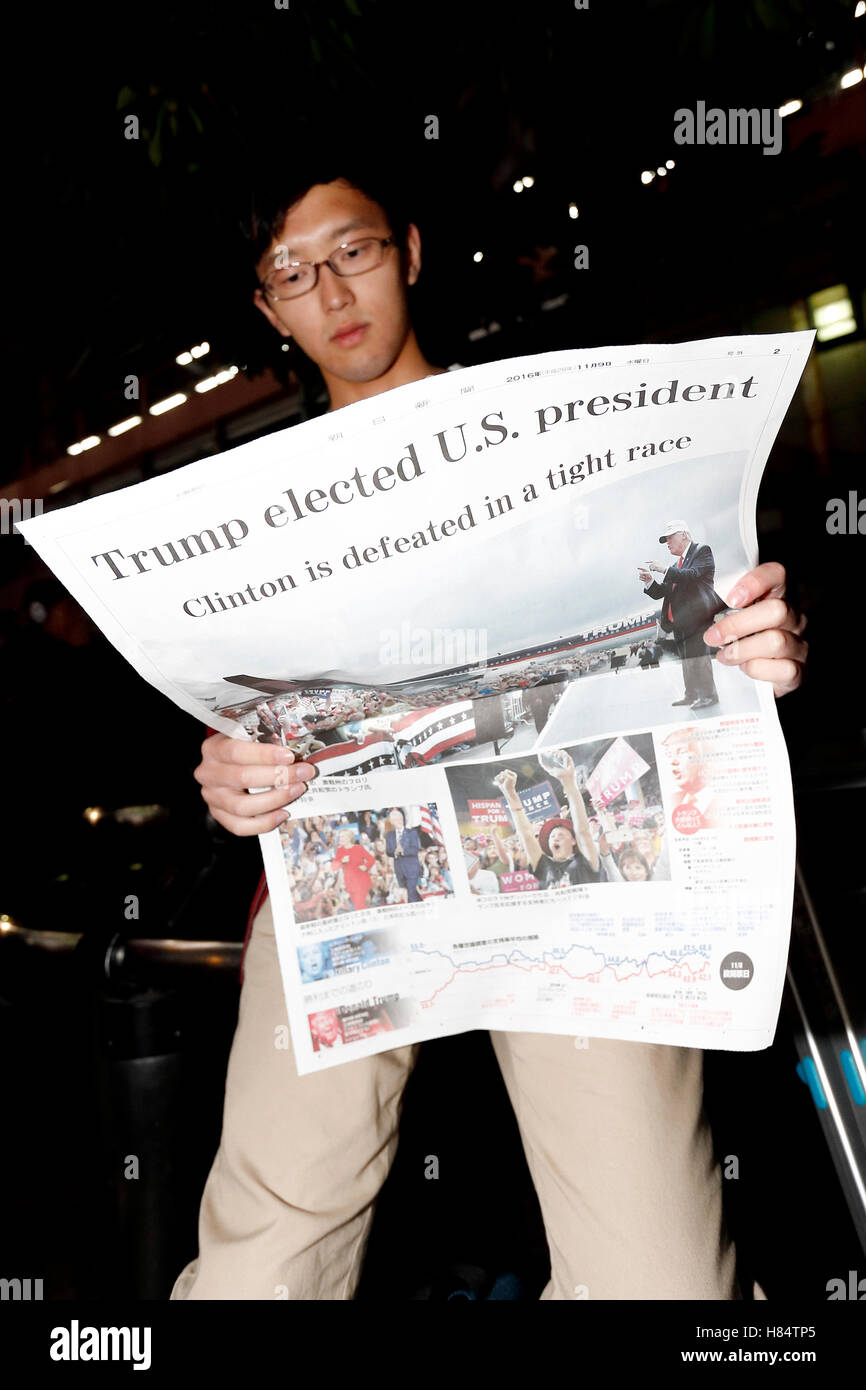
(764, 637)
(231, 768)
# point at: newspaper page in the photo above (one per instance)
(540, 804)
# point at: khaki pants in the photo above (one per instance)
(615, 1137)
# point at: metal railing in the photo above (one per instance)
(135, 984)
(160, 953)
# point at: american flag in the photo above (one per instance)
(429, 823)
(429, 733)
(355, 755)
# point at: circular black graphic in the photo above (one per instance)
(736, 970)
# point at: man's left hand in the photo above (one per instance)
(765, 638)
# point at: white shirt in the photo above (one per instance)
(485, 881)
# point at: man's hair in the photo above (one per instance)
(279, 189)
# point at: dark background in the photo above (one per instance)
(119, 254)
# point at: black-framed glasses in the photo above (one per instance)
(349, 258)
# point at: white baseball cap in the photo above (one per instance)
(672, 526)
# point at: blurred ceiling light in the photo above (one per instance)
(58, 487)
(832, 313)
(852, 78)
(647, 176)
(93, 814)
(89, 443)
(218, 380)
(572, 210)
(528, 180)
(790, 107)
(860, 10)
(183, 359)
(479, 256)
(130, 424)
(168, 404)
(661, 171)
(518, 186)
(669, 164)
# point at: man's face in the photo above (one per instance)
(397, 820)
(678, 542)
(372, 305)
(688, 770)
(562, 843)
(327, 1026)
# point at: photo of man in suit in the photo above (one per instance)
(689, 605)
(403, 846)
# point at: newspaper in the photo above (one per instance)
(453, 599)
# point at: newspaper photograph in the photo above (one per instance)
(476, 604)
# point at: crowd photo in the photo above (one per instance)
(348, 862)
(589, 814)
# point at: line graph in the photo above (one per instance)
(688, 968)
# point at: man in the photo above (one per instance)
(619, 1148)
(689, 604)
(691, 775)
(482, 879)
(403, 846)
(563, 852)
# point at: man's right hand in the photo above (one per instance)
(230, 766)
